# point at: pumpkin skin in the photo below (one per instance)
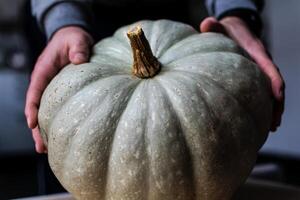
(190, 132)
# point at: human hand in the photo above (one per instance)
(237, 29)
(69, 44)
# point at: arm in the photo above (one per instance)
(247, 10)
(65, 24)
(53, 15)
(238, 19)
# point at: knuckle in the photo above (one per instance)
(81, 44)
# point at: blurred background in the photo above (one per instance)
(279, 159)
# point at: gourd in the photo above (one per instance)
(160, 112)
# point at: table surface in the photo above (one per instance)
(252, 190)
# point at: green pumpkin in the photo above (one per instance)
(184, 121)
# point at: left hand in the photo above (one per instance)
(237, 29)
(70, 44)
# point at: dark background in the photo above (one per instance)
(279, 158)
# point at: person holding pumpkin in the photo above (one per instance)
(68, 29)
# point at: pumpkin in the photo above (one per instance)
(160, 112)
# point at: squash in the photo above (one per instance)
(164, 115)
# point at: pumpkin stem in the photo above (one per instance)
(145, 65)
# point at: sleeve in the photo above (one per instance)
(248, 10)
(52, 15)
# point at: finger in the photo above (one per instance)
(210, 24)
(277, 85)
(32, 104)
(272, 72)
(79, 50)
(258, 53)
(31, 111)
(45, 69)
(39, 144)
(277, 114)
(278, 108)
(238, 31)
(39, 81)
(265, 63)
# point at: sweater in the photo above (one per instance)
(52, 15)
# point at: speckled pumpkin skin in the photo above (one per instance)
(191, 132)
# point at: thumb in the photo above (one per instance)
(210, 24)
(79, 51)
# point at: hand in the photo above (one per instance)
(237, 29)
(69, 44)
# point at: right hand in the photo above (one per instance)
(68, 45)
(237, 29)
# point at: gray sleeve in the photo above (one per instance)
(52, 15)
(218, 7)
